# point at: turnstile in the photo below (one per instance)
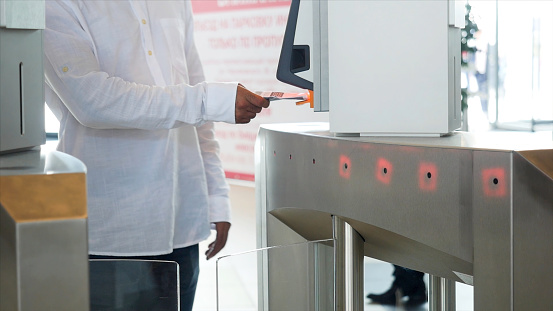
(470, 208)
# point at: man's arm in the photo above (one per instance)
(247, 104)
(99, 100)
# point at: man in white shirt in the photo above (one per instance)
(125, 80)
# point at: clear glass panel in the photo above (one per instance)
(301, 278)
(525, 77)
(508, 76)
(118, 285)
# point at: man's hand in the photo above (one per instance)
(248, 105)
(216, 246)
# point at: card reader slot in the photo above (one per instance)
(300, 58)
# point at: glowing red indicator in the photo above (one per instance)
(428, 176)
(493, 181)
(345, 165)
(384, 171)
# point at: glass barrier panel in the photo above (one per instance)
(118, 285)
(301, 278)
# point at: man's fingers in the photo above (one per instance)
(248, 105)
(248, 115)
(258, 101)
(216, 248)
(220, 241)
(212, 251)
(252, 98)
(243, 117)
(254, 108)
(209, 249)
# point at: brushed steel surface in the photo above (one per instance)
(39, 161)
(22, 14)
(468, 208)
(532, 230)
(8, 263)
(348, 267)
(53, 265)
(21, 89)
(499, 141)
(492, 231)
(43, 260)
(441, 294)
(351, 183)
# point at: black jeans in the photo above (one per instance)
(188, 261)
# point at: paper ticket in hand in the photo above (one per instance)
(281, 95)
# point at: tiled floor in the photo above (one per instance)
(238, 276)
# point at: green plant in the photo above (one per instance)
(468, 48)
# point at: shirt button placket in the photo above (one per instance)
(144, 22)
(148, 43)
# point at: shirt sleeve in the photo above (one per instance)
(218, 189)
(100, 101)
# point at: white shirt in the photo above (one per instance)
(125, 80)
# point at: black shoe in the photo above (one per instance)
(394, 296)
(407, 283)
(390, 297)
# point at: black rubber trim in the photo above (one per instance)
(285, 71)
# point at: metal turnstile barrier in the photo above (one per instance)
(468, 208)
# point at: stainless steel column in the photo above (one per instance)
(348, 266)
(43, 232)
(442, 294)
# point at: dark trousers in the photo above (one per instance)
(402, 272)
(188, 261)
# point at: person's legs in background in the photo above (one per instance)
(407, 283)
